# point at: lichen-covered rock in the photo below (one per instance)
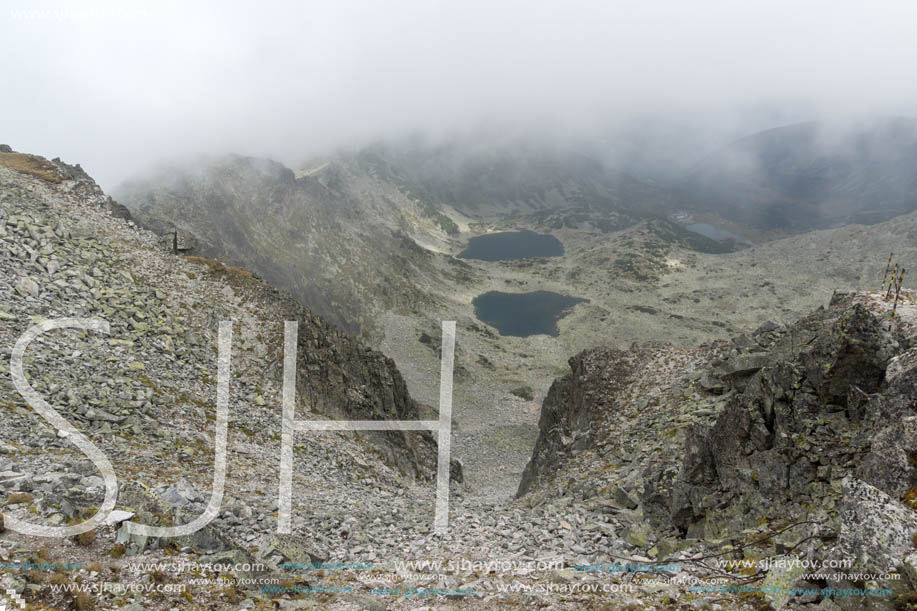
(812, 425)
(876, 530)
(891, 464)
(909, 567)
(571, 405)
(854, 351)
(782, 576)
(742, 364)
(901, 364)
(890, 426)
(776, 443)
(27, 287)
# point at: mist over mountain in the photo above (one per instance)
(811, 175)
(483, 177)
(789, 178)
(119, 88)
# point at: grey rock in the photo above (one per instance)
(889, 465)
(56, 479)
(180, 494)
(876, 529)
(909, 567)
(117, 516)
(767, 326)
(711, 383)
(901, 364)
(27, 287)
(572, 403)
(99, 415)
(743, 364)
(294, 549)
(781, 577)
(623, 498)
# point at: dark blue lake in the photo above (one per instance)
(507, 245)
(523, 314)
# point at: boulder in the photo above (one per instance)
(117, 210)
(743, 364)
(890, 462)
(27, 287)
(876, 530)
(180, 494)
(854, 352)
(780, 579)
(909, 567)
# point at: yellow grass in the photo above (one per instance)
(235, 275)
(31, 165)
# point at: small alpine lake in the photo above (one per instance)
(524, 314)
(509, 245)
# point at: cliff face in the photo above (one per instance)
(804, 420)
(813, 423)
(573, 403)
(343, 379)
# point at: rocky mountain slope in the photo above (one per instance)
(317, 235)
(493, 177)
(810, 424)
(368, 241)
(144, 393)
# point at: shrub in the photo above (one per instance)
(524, 392)
(82, 601)
(86, 538)
(17, 498)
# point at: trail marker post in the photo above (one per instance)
(891, 283)
(897, 293)
(888, 266)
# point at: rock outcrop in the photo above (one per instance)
(573, 403)
(814, 423)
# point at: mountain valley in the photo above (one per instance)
(624, 435)
(361, 238)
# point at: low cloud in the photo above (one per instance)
(117, 88)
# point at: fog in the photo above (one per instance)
(117, 89)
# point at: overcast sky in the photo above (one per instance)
(116, 91)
